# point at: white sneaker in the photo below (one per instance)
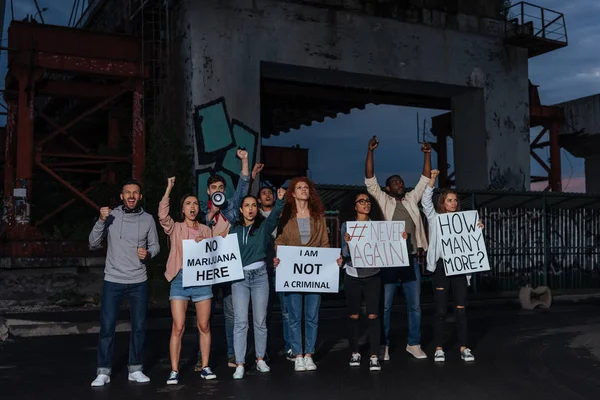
(374, 364)
(262, 366)
(239, 372)
(138, 376)
(439, 356)
(101, 380)
(310, 364)
(386, 355)
(467, 355)
(416, 351)
(299, 364)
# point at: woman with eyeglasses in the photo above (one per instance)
(359, 282)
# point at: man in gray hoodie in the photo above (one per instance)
(132, 240)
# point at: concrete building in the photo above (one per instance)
(241, 67)
(580, 136)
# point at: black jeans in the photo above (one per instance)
(355, 288)
(441, 286)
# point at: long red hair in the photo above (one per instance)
(442, 200)
(315, 206)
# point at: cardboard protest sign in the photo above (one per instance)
(377, 244)
(307, 269)
(461, 240)
(211, 261)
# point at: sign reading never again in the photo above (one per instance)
(462, 243)
(211, 261)
(377, 244)
(307, 269)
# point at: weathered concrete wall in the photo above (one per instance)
(582, 113)
(592, 174)
(224, 43)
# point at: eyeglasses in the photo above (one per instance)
(362, 202)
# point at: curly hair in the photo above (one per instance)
(442, 199)
(315, 206)
(348, 213)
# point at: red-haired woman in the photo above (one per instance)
(447, 203)
(302, 224)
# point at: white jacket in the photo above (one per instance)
(435, 249)
(410, 202)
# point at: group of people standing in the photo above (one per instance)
(292, 217)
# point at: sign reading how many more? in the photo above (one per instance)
(463, 247)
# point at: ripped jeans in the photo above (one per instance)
(441, 286)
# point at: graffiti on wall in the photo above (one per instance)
(217, 138)
(518, 247)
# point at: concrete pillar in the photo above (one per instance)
(470, 140)
(592, 174)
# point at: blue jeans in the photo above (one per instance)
(112, 296)
(285, 319)
(255, 285)
(228, 314)
(312, 302)
(412, 293)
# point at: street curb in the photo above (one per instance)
(26, 328)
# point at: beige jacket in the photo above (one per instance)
(410, 202)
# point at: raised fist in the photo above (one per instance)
(426, 148)
(104, 213)
(373, 143)
(242, 154)
(171, 182)
(280, 193)
(434, 174)
(256, 170)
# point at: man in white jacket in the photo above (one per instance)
(399, 205)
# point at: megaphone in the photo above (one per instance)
(218, 198)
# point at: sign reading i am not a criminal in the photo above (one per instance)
(377, 244)
(211, 261)
(307, 269)
(463, 247)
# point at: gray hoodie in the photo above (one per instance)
(126, 233)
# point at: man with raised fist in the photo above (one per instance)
(131, 241)
(398, 204)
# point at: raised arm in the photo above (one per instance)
(426, 149)
(100, 229)
(233, 207)
(370, 164)
(427, 200)
(271, 221)
(164, 218)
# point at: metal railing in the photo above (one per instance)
(528, 19)
(557, 247)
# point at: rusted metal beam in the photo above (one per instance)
(81, 116)
(54, 39)
(555, 179)
(62, 207)
(104, 158)
(10, 148)
(80, 163)
(86, 65)
(65, 183)
(70, 89)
